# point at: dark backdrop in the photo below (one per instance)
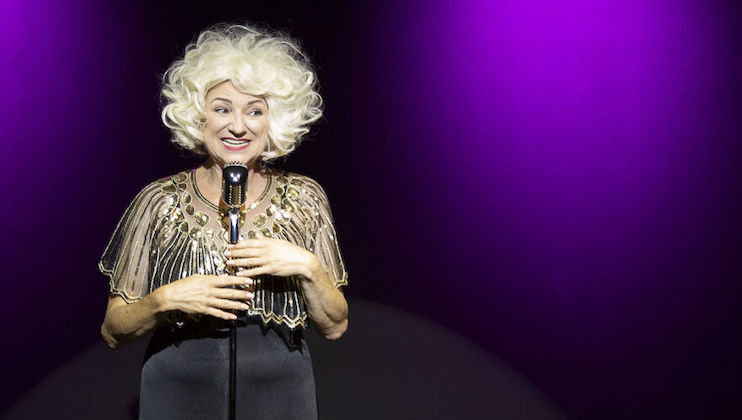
(555, 181)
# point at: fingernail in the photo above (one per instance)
(227, 253)
(248, 296)
(244, 306)
(230, 262)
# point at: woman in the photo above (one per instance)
(238, 95)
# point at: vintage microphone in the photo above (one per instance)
(234, 192)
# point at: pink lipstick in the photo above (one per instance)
(235, 144)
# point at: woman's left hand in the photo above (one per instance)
(326, 304)
(275, 257)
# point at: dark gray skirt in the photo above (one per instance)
(186, 374)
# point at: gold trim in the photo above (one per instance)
(343, 281)
(112, 290)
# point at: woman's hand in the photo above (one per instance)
(197, 294)
(269, 256)
(206, 295)
(326, 304)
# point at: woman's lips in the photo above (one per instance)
(235, 144)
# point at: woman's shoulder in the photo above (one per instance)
(285, 177)
(177, 180)
(296, 185)
(161, 189)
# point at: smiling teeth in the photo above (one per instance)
(235, 142)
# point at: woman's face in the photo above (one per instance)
(236, 126)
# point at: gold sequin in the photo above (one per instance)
(176, 216)
(187, 198)
(182, 186)
(201, 219)
(282, 180)
(251, 234)
(259, 220)
(297, 182)
(270, 211)
(288, 206)
(169, 188)
(180, 177)
(266, 232)
(195, 233)
(276, 200)
(292, 193)
(184, 227)
(283, 216)
(190, 210)
(209, 232)
(276, 228)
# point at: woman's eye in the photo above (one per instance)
(255, 113)
(221, 110)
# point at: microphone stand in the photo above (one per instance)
(234, 223)
(234, 192)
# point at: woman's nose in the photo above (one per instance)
(238, 128)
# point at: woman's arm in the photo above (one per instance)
(326, 304)
(126, 323)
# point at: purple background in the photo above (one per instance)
(556, 181)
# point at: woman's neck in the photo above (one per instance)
(209, 180)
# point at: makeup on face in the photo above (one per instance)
(236, 125)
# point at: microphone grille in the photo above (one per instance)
(234, 183)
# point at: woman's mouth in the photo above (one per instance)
(235, 144)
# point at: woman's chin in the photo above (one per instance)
(223, 158)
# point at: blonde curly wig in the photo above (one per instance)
(258, 63)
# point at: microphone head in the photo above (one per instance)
(234, 184)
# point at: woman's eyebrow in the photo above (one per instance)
(254, 101)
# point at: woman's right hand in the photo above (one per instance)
(206, 295)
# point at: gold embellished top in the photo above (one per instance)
(171, 231)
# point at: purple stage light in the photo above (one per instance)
(567, 143)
